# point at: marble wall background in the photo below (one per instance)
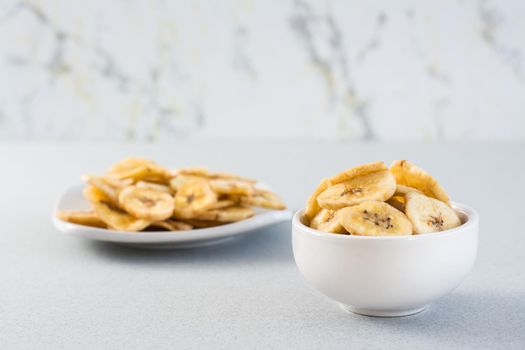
(327, 70)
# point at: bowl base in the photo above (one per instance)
(381, 313)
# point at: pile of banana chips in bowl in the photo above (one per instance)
(137, 194)
(373, 200)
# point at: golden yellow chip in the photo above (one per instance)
(231, 186)
(312, 207)
(195, 171)
(109, 185)
(195, 195)
(172, 225)
(378, 186)
(408, 174)
(154, 186)
(86, 218)
(229, 176)
(359, 170)
(263, 199)
(128, 164)
(114, 217)
(203, 223)
(374, 218)
(397, 202)
(138, 169)
(178, 180)
(230, 214)
(146, 203)
(327, 221)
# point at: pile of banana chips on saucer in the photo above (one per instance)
(373, 200)
(137, 194)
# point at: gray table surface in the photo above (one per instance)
(65, 292)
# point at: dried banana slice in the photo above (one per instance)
(195, 195)
(128, 164)
(202, 223)
(146, 203)
(109, 185)
(224, 215)
(230, 214)
(402, 190)
(154, 186)
(229, 176)
(428, 214)
(374, 218)
(358, 171)
(327, 221)
(195, 171)
(178, 180)
(379, 186)
(410, 175)
(184, 213)
(205, 173)
(397, 202)
(312, 207)
(263, 199)
(139, 169)
(224, 203)
(172, 225)
(231, 186)
(114, 217)
(398, 199)
(86, 218)
(151, 173)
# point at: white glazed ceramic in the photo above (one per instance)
(386, 276)
(72, 199)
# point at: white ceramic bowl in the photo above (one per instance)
(386, 276)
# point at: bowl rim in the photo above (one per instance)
(472, 219)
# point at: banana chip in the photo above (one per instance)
(327, 221)
(232, 186)
(202, 223)
(229, 176)
(375, 218)
(138, 169)
(312, 207)
(195, 195)
(114, 217)
(128, 164)
(263, 199)
(179, 180)
(360, 170)
(205, 173)
(397, 202)
(172, 225)
(378, 186)
(224, 203)
(109, 185)
(402, 190)
(146, 203)
(154, 186)
(230, 214)
(86, 218)
(192, 171)
(429, 214)
(410, 175)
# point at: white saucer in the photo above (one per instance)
(72, 199)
